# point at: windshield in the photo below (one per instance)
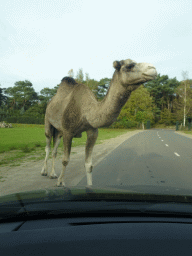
(96, 97)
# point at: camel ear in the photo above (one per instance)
(117, 65)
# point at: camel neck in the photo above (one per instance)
(109, 108)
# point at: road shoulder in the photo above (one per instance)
(184, 134)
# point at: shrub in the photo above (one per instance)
(24, 120)
(124, 124)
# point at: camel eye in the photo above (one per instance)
(130, 66)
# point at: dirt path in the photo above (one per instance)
(27, 176)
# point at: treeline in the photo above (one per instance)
(162, 101)
(21, 103)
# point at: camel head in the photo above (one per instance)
(131, 73)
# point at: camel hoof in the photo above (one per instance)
(44, 174)
(54, 176)
(60, 184)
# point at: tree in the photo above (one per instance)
(93, 84)
(183, 101)
(54, 90)
(46, 94)
(3, 98)
(139, 107)
(167, 117)
(22, 95)
(22, 111)
(71, 73)
(143, 116)
(87, 78)
(103, 88)
(37, 110)
(162, 89)
(79, 76)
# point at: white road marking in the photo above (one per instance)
(167, 145)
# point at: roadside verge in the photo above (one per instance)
(184, 134)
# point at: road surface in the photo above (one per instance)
(156, 161)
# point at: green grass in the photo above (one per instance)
(187, 132)
(28, 137)
(22, 137)
(104, 134)
(25, 142)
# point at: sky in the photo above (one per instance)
(41, 40)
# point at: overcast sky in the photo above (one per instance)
(41, 40)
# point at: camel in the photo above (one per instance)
(74, 109)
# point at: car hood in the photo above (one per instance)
(76, 200)
(140, 192)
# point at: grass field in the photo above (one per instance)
(187, 132)
(24, 136)
(26, 142)
(17, 142)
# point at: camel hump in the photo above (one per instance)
(69, 80)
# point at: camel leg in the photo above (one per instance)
(56, 142)
(44, 170)
(67, 140)
(92, 135)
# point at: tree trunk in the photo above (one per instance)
(143, 126)
(184, 117)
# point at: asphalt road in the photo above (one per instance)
(156, 161)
